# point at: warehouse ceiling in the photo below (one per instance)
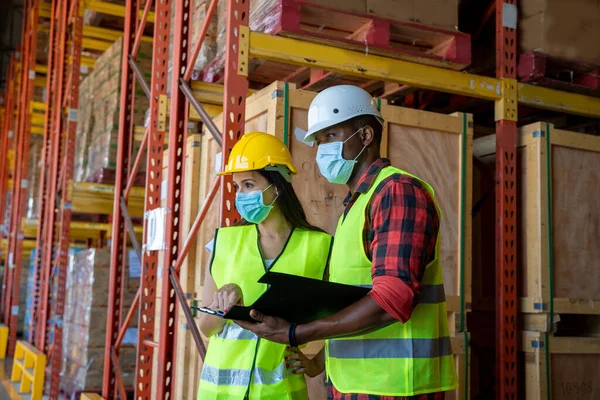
(10, 34)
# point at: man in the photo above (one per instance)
(393, 343)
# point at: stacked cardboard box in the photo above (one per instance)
(85, 323)
(563, 29)
(34, 176)
(85, 122)
(105, 84)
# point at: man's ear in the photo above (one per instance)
(367, 135)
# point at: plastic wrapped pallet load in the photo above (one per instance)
(85, 319)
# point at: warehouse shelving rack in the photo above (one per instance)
(504, 91)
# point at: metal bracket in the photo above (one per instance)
(506, 107)
(244, 50)
(162, 112)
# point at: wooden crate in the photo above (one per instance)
(559, 187)
(559, 368)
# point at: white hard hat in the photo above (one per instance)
(336, 105)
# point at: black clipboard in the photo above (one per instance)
(298, 299)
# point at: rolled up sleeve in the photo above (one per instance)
(404, 225)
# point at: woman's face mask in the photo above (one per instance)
(332, 164)
(251, 206)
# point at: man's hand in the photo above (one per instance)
(270, 328)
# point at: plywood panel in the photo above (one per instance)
(576, 222)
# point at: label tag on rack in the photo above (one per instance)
(509, 16)
(31, 74)
(84, 69)
(218, 163)
(72, 115)
(11, 134)
(156, 229)
(24, 183)
(14, 310)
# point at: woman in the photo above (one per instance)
(273, 235)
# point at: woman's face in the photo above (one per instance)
(250, 181)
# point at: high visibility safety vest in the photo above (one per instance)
(401, 359)
(238, 364)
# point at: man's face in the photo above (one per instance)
(341, 133)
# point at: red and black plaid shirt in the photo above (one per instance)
(399, 236)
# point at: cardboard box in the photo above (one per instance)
(566, 30)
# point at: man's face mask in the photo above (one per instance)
(332, 164)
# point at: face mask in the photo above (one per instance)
(252, 207)
(332, 164)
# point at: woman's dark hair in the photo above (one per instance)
(288, 202)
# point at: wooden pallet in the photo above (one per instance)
(361, 32)
(548, 71)
(573, 246)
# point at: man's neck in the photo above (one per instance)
(360, 170)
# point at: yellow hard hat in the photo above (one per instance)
(258, 150)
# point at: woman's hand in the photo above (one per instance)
(226, 297)
(297, 363)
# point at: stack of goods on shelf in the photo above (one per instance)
(557, 251)
(567, 30)
(85, 122)
(34, 177)
(267, 16)
(28, 293)
(103, 131)
(85, 320)
(42, 46)
(209, 48)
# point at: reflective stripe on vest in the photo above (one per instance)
(237, 363)
(401, 359)
(390, 348)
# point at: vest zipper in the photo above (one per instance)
(246, 396)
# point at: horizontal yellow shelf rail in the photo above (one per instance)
(373, 67)
(311, 55)
(112, 35)
(96, 198)
(115, 10)
(79, 230)
(37, 130)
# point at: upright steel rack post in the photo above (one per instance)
(506, 200)
(57, 183)
(6, 127)
(20, 181)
